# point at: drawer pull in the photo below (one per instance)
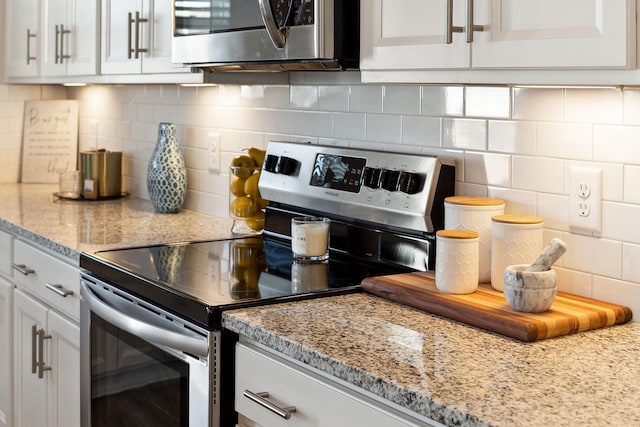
(260, 399)
(59, 289)
(21, 268)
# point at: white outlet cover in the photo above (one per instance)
(585, 207)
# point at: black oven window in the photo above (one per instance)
(134, 383)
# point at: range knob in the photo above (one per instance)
(410, 182)
(271, 163)
(371, 177)
(287, 165)
(389, 179)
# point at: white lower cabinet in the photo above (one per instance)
(46, 339)
(6, 353)
(46, 366)
(266, 384)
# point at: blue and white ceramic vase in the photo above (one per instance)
(167, 175)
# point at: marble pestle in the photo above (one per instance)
(550, 254)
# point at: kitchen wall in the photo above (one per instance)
(514, 143)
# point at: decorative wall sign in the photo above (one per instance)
(50, 140)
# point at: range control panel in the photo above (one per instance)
(395, 189)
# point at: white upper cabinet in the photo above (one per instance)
(136, 37)
(23, 37)
(70, 36)
(466, 37)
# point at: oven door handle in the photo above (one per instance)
(155, 334)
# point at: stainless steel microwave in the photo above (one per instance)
(266, 34)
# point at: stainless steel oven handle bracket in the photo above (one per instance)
(191, 345)
(278, 36)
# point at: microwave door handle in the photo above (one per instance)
(175, 340)
(278, 36)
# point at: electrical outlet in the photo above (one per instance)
(585, 200)
(214, 152)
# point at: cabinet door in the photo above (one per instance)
(64, 381)
(118, 37)
(411, 35)
(552, 33)
(30, 393)
(6, 352)
(82, 43)
(54, 22)
(157, 36)
(23, 40)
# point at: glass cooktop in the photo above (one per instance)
(200, 279)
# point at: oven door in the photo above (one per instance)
(141, 365)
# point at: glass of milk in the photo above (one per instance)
(310, 238)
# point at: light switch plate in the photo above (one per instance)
(585, 200)
(214, 152)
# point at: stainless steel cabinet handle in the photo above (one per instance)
(471, 28)
(278, 36)
(34, 360)
(133, 48)
(59, 289)
(57, 41)
(450, 27)
(41, 366)
(22, 268)
(30, 35)
(60, 55)
(138, 49)
(260, 399)
(130, 49)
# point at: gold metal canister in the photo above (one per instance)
(101, 173)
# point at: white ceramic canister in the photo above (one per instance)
(457, 261)
(516, 239)
(474, 213)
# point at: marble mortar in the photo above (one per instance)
(529, 291)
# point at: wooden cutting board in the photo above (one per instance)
(487, 308)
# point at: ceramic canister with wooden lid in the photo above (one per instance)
(457, 261)
(474, 213)
(516, 239)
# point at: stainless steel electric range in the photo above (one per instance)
(152, 348)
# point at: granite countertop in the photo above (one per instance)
(70, 227)
(456, 374)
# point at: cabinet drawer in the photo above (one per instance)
(5, 253)
(318, 401)
(48, 278)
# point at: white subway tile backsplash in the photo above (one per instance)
(538, 104)
(538, 174)
(421, 131)
(399, 99)
(618, 144)
(466, 134)
(384, 128)
(516, 137)
(443, 101)
(630, 262)
(621, 221)
(487, 168)
(632, 184)
(365, 99)
(513, 143)
(565, 140)
(485, 101)
(333, 98)
(349, 125)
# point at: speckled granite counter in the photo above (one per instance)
(70, 227)
(452, 373)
